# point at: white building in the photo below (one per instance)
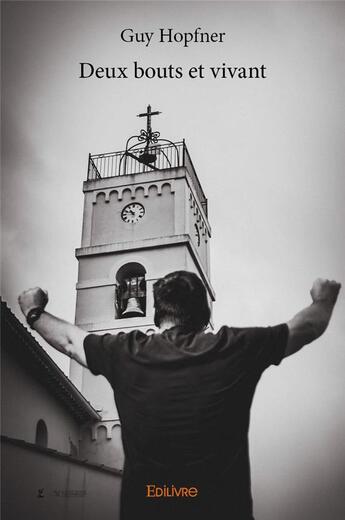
(45, 472)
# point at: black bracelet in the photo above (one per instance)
(33, 316)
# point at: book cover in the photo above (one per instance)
(254, 91)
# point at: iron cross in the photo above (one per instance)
(149, 114)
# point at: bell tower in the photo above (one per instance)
(145, 215)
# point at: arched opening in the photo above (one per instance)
(41, 438)
(130, 291)
(102, 434)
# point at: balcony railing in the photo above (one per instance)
(172, 155)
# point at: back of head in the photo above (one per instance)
(180, 297)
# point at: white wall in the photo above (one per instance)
(25, 400)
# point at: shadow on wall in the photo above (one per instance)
(105, 448)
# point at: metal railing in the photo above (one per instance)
(170, 155)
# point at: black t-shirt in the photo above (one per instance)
(184, 403)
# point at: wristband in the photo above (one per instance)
(33, 316)
(330, 300)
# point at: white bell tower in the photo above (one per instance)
(145, 215)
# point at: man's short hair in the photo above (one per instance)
(180, 297)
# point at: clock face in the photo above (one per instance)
(132, 213)
(197, 235)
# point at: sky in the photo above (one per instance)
(269, 154)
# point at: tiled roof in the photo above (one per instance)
(17, 340)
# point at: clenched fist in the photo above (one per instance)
(32, 299)
(325, 290)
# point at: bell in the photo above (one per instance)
(147, 158)
(133, 309)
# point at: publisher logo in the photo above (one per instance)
(154, 491)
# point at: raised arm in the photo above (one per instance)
(60, 334)
(311, 322)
